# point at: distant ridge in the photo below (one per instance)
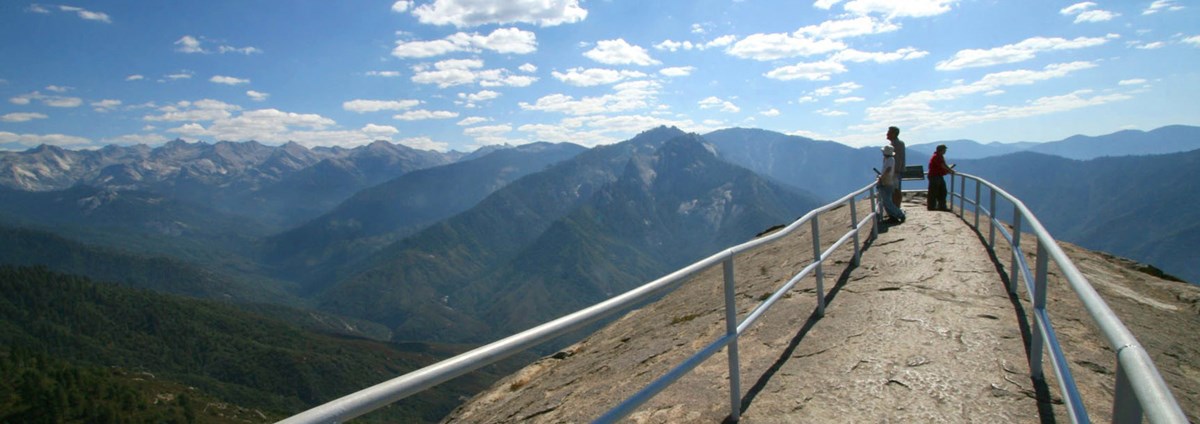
(1168, 139)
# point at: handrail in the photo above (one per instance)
(1140, 388)
(382, 394)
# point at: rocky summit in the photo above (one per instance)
(923, 330)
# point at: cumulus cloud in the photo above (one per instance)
(421, 115)
(1086, 12)
(620, 52)
(846, 28)
(48, 100)
(812, 71)
(767, 47)
(385, 74)
(678, 71)
(852, 55)
(466, 122)
(502, 40)
(770, 112)
(843, 88)
(21, 117)
(581, 77)
(257, 96)
(714, 102)
(454, 72)
(470, 13)
(1134, 81)
(626, 96)
(364, 106)
(919, 109)
(227, 80)
(105, 105)
(674, 46)
(528, 67)
(190, 44)
(200, 110)
(402, 6)
(1019, 52)
(473, 99)
(1193, 40)
(135, 77)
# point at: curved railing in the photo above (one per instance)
(381, 394)
(1140, 389)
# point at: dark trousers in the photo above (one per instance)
(937, 193)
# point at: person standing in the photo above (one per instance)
(893, 137)
(887, 186)
(937, 181)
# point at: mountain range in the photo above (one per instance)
(388, 243)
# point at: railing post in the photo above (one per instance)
(992, 221)
(854, 227)
(962, 199)
(1014, 271)
(816, 239)
(950, 204)
(1036, 344)
(977, 205)
(1126, 408)
(735, 378)
(874, 210)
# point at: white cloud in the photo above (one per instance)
(274, 126)
(831, 112)
(257, 96)
(714, 102)
(131, 139)
(581, 77)
(627, 96)
(470, 13)
(528, 67)
(227, 80)
(1193, 40)
(502, 40)
(201, 110)
(363, 106)
(78, 11)
(492, 134)
(424, 143)
(843, 88)
(188, 44)
(21, 117)
(677, 71)
(845, 28)
(58, 89)
(849, 100)
(620, 52)
(1019, 52)
(1152, 45)
(466, 122)
(1161, 5)
(473, 99)
(825, 4)
(402, 6)
(453, 72)
(1084, 13)
(812, 71)
(48, 100)
(1134, 81)
(135, 77)
(105, 105)
(385, 74)
(895, 8)
(674, 46)
(34, 140)
(918, 110)
(421, 115)
(180, 75)
(852, 55)
(767, 47)
(770, 112)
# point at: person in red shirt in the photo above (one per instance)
(937, 181)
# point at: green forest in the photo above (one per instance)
(81, 351)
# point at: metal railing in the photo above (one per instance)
(384, 393)
(1140, 389)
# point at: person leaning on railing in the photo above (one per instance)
(936, 200)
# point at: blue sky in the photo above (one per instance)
(460, 74)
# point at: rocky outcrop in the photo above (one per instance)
(922, 331)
